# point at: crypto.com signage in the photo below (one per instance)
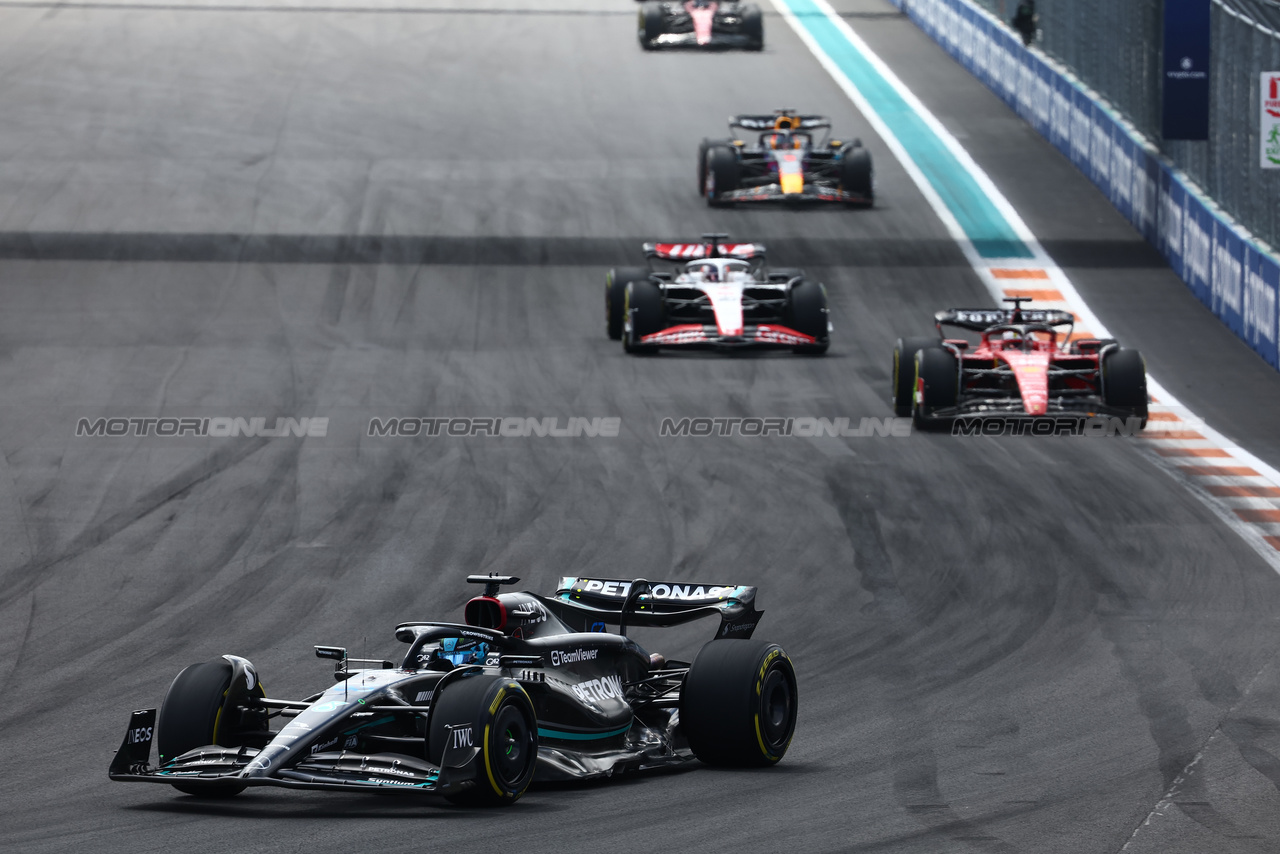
(1186, 70)
(1269, 110)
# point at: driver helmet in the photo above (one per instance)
(459, 651)
(707, 272)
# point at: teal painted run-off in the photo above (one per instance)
(986, 228)
(579, 736)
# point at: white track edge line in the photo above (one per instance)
(1247, 531)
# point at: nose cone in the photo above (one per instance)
(790, 173)
(1031, 370)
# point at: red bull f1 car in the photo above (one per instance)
(1022, 364)
(785, 163)
(701, 24)
(527, 688)
(714, 295)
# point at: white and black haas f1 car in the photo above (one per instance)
(785, 163)
(1022, 365)
(528, 688)
(701, 24)
(715, 295)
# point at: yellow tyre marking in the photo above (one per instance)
(488, 765)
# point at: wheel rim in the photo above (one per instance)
(512, 746)
(777, 708)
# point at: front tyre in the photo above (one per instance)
(739, 702)
(497, 716)
(650, 25)
(615, 283)
(753, 27)
(937, 386)
(807, 314)
(194, 714)
(1124, 382)
(643, 308)
(722, 176)
(856, 175)
(904, 371)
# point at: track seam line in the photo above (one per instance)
(1166, 799)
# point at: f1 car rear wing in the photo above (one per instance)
(982, 319)
(780, 120)
(693, 251)
(581, 601)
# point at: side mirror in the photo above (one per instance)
(336, 653)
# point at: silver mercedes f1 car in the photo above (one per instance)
(527, 688)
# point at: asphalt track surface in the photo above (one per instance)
(1016, 645)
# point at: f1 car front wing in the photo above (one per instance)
(707, 335)
(812, 192)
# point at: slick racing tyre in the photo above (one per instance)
(739, 701)
(615, 283)
(192, 716)
(753, 27)
(807, 313)
(941, 375)
(494, 714)
(650, 24)
(1124, 382)
(722, 175)
(904, 372)
(643, 305)
(856, 174)
(703, 147)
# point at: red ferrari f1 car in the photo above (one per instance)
(701, 24)
(1021, 365)
(714, 295)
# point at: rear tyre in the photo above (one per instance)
(1124, 382)
(650, 24)
(191, 717)
(753, 27)
(941, 376)
(502, 723)
(722, 176)
(904, 372)
(856, 175)
(615, 283)
(643, 305)
(807, 314)
(739, 703)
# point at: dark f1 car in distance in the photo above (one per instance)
(714, 295)
(528, 688)
(785, 164)
(701, 23)
(1021, 365)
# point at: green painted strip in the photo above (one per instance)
(579, 736)
(987, 229)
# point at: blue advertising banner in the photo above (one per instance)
(1260, 311)
(1173, 202)
(1226, 280)
(1186, 70)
